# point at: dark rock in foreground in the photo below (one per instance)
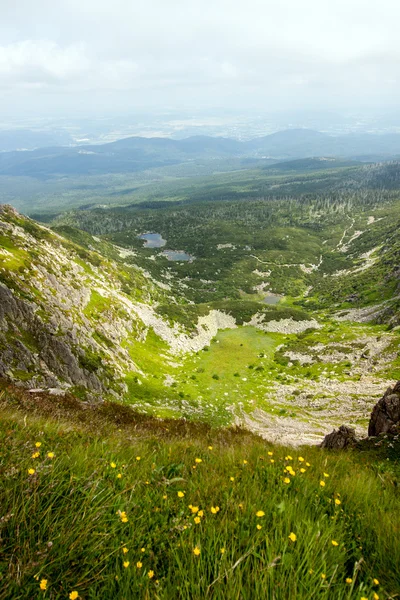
(385, 416)
(340, 438)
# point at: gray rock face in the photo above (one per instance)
(51, 355)
(385, 416)
(340, 438)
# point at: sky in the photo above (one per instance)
(93, 56)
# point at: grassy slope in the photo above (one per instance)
(62, 523)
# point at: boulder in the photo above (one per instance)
(340, 438)
(385, 416)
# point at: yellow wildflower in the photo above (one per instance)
(142, 549)
(119, 476)
(293, 537)
(270, 453)
(363, 598)
(214, 509)
(245, 462)
(322, 483)
(259, 527)
(302, 470)
(198, 460)
(349, 580)
(375, 581)
(335, 543)
(308, 464)
(196, 551)
(181, 494)
(210, 447)
(138, 458)
(375, 596)
(36, 455)
(165, 497)
(73, 595)
(323, 576)
(31, 471)
(326, 474)
(240, 505)
(222, 550)
(197, 520)
(113, 465)
(139, 564)
(126, 564)
(337, 501)
(311, 571)
(286, 480)
(124, 519)
(271, 460)
(231, 478)
(260, 513)
(201, 513)
(150, 574)
(300, 459)
(38, 444)
(125, 549)
(194, 509)
(43, 584)
(50, 455)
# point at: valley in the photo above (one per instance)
(284, 319)
(132, 385)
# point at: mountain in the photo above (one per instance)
(137, 154)
(162, 404)
(87, 308)
(135, 393)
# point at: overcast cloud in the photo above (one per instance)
(122, 54)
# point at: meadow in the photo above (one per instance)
(100, 502)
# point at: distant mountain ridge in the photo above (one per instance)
(138, 154)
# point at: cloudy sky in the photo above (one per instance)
(119, 55)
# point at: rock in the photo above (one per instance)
(385, 416)
(340, 438)
(56, 392)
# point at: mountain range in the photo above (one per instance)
(138, 154)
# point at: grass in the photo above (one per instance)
(221, 375)
(65, 523)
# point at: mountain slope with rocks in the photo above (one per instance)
(103, 319)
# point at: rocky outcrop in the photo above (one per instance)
(340, 438)
(28, 345)
(385, 416)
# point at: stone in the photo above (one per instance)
(385, 416)
(340, 438)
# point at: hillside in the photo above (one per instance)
(284, 320)
(161, 405)
(98, 501)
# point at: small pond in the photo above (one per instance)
(177, 255)
(272, 299)
(153, 240)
